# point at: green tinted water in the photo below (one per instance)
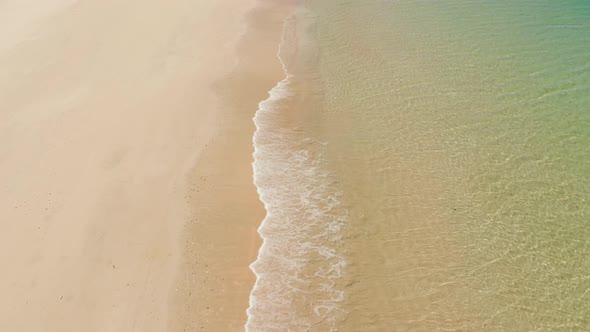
(459, 132)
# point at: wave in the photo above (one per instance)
(299, 264)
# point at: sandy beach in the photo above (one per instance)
(221, 241)
(126, 196)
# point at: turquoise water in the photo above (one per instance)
(456, 138)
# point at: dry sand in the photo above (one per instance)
(126, 196)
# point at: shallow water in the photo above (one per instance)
(453, 140)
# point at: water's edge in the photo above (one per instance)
(299, 263)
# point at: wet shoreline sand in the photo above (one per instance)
(221, 241)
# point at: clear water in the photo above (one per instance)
(455, 137)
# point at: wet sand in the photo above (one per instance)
(127, 201)
(221, 240)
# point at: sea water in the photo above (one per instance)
(425, 166)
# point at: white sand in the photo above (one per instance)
(104, 107)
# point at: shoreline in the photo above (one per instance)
(221, 241)
(115, 143)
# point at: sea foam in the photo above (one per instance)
(299, 264)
